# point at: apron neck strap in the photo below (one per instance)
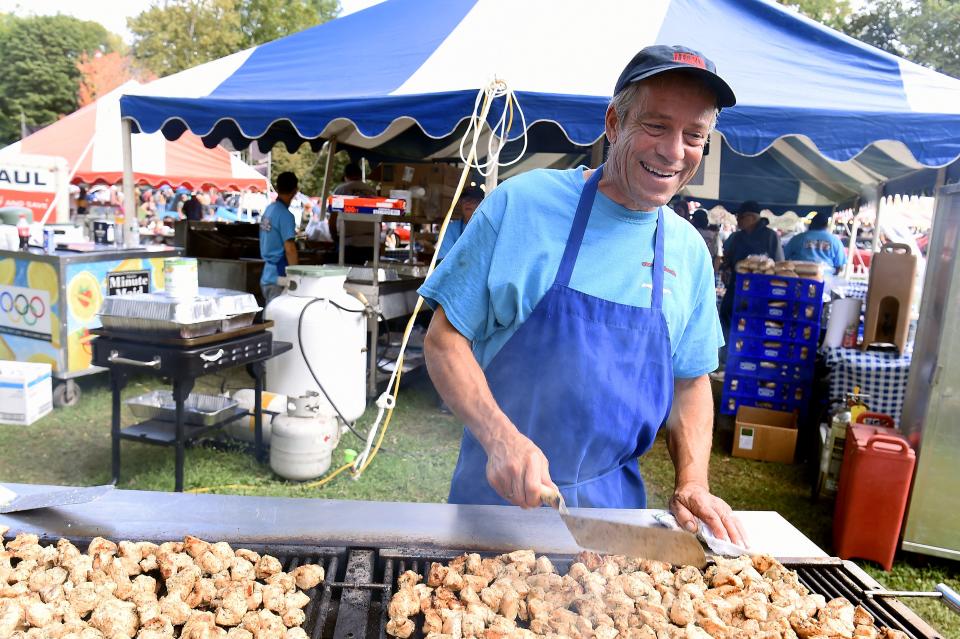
(580, 220)
(575, 239)
(656, 301)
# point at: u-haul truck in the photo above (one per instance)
(35, 182)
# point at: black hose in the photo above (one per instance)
(306, 361)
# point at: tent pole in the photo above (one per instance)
(494, 161)
(331, 145)
(131, 232)
(852, 248)
(876, 221)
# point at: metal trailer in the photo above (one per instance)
(931, 402)
(49, 304)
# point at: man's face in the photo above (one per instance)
(467, 207)
(659, 145)
(746, 221)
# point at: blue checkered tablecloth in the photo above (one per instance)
(881, 375)
(853, 289)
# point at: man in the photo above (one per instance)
(753, 237)
(469, 201)
(578, 314)
(818, 245)
(359, 236)
(277, 232)
(710, 235)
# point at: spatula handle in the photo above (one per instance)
(552, 497)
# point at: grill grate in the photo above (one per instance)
(352, 601)
(839, 580)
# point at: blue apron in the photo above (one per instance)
(589, 381)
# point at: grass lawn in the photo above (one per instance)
(72, 447)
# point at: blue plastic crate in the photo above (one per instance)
(732, 401)
(772, 350)
(791, 330)
(766, 369)
(776, 287)
(763, 389)
(777, 309)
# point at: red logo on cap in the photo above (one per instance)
(689, 58)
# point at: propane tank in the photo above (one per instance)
(273, 406)
(302, 440)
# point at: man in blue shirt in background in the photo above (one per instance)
(577, 314)
(278, 229)
(469, 201)
(818, 245)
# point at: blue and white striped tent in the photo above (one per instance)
(820, 119)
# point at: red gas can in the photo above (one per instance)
(872, 497)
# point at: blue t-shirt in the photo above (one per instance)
(817, 246)
(510, 252)
(276, 227)
(454, 231)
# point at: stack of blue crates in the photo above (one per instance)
(773, 343)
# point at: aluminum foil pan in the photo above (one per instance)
(162, 308)
(230, 302)
(198, 409)
(161, 328)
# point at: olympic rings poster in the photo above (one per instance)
(25, 311)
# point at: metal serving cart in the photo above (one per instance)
(183, 361)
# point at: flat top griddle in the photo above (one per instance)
(351, 602)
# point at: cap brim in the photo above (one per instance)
(725, 95)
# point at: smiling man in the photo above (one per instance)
(578, 315)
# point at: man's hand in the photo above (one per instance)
(693, 501)
(518, 470)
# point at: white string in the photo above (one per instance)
(499, 132)
(481, 108)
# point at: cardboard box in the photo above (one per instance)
(407, 174)
(766, 435)
(26, 392)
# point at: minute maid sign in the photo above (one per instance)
(36, 182)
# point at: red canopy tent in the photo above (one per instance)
(90, 141)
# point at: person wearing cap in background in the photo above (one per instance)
(818, 245)
(278, 230)
(577, 314)
(469, 201)
(752, 237)
(710, 235)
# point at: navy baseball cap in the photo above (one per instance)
(661, 58)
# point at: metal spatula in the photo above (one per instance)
(10, 502)
(677, 547)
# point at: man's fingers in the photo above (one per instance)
(535, 477)
(713, 519)
(683, 515)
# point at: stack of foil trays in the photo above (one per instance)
(213, 310)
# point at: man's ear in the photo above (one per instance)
(612, 124)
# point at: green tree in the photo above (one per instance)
(308, 166)
(833, 13)
(266, 20)
(39, 75)
(924, 31)
(179, 34)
